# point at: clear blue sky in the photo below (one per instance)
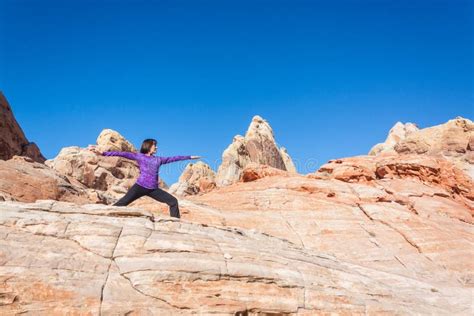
(331, 77)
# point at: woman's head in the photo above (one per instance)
(148, 146)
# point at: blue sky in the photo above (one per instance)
(331, 77)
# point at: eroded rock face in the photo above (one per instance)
(110, 140)
(13, 141)
(65, 259)
(196, 178)
(396, 134)
(22, 179)
(112, 174)
(234, 158)
(449, 139)
(289, 165)
(254, 171)
(452, 140)
(429, 170)
(258, 146)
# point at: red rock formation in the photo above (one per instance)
(113, 175)
(22, 179)
(13, 141)
(255, 171)
(452, 140)
(431, 170)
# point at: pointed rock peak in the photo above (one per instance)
(258, 146)
(110, 140)
(259, 127)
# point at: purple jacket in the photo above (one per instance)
(149, 166)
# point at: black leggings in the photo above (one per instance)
(137, 191)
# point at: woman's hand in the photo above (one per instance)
(195, 157)
(94, 149)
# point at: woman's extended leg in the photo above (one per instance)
(135, 192)
(163, 196)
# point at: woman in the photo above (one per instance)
(147, 183)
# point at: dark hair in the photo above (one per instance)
(147, 144)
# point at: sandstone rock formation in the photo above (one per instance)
(110, 140)
(289, 165)
(427, 170)
(59, 258)
(196, 178)
(396, 134)
(257, 146)
(111, 174)
(254, 171)
(13, 141)
(22, 179)
(453, 140)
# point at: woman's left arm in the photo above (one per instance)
(165, 160)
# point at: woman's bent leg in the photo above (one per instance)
(163, 196)
(135, 192)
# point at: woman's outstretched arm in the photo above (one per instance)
(165, 160)
(123, 154)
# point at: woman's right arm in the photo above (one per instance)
(123, 154)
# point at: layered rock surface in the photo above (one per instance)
(104, 260)
(22, 179)
(415, 224)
